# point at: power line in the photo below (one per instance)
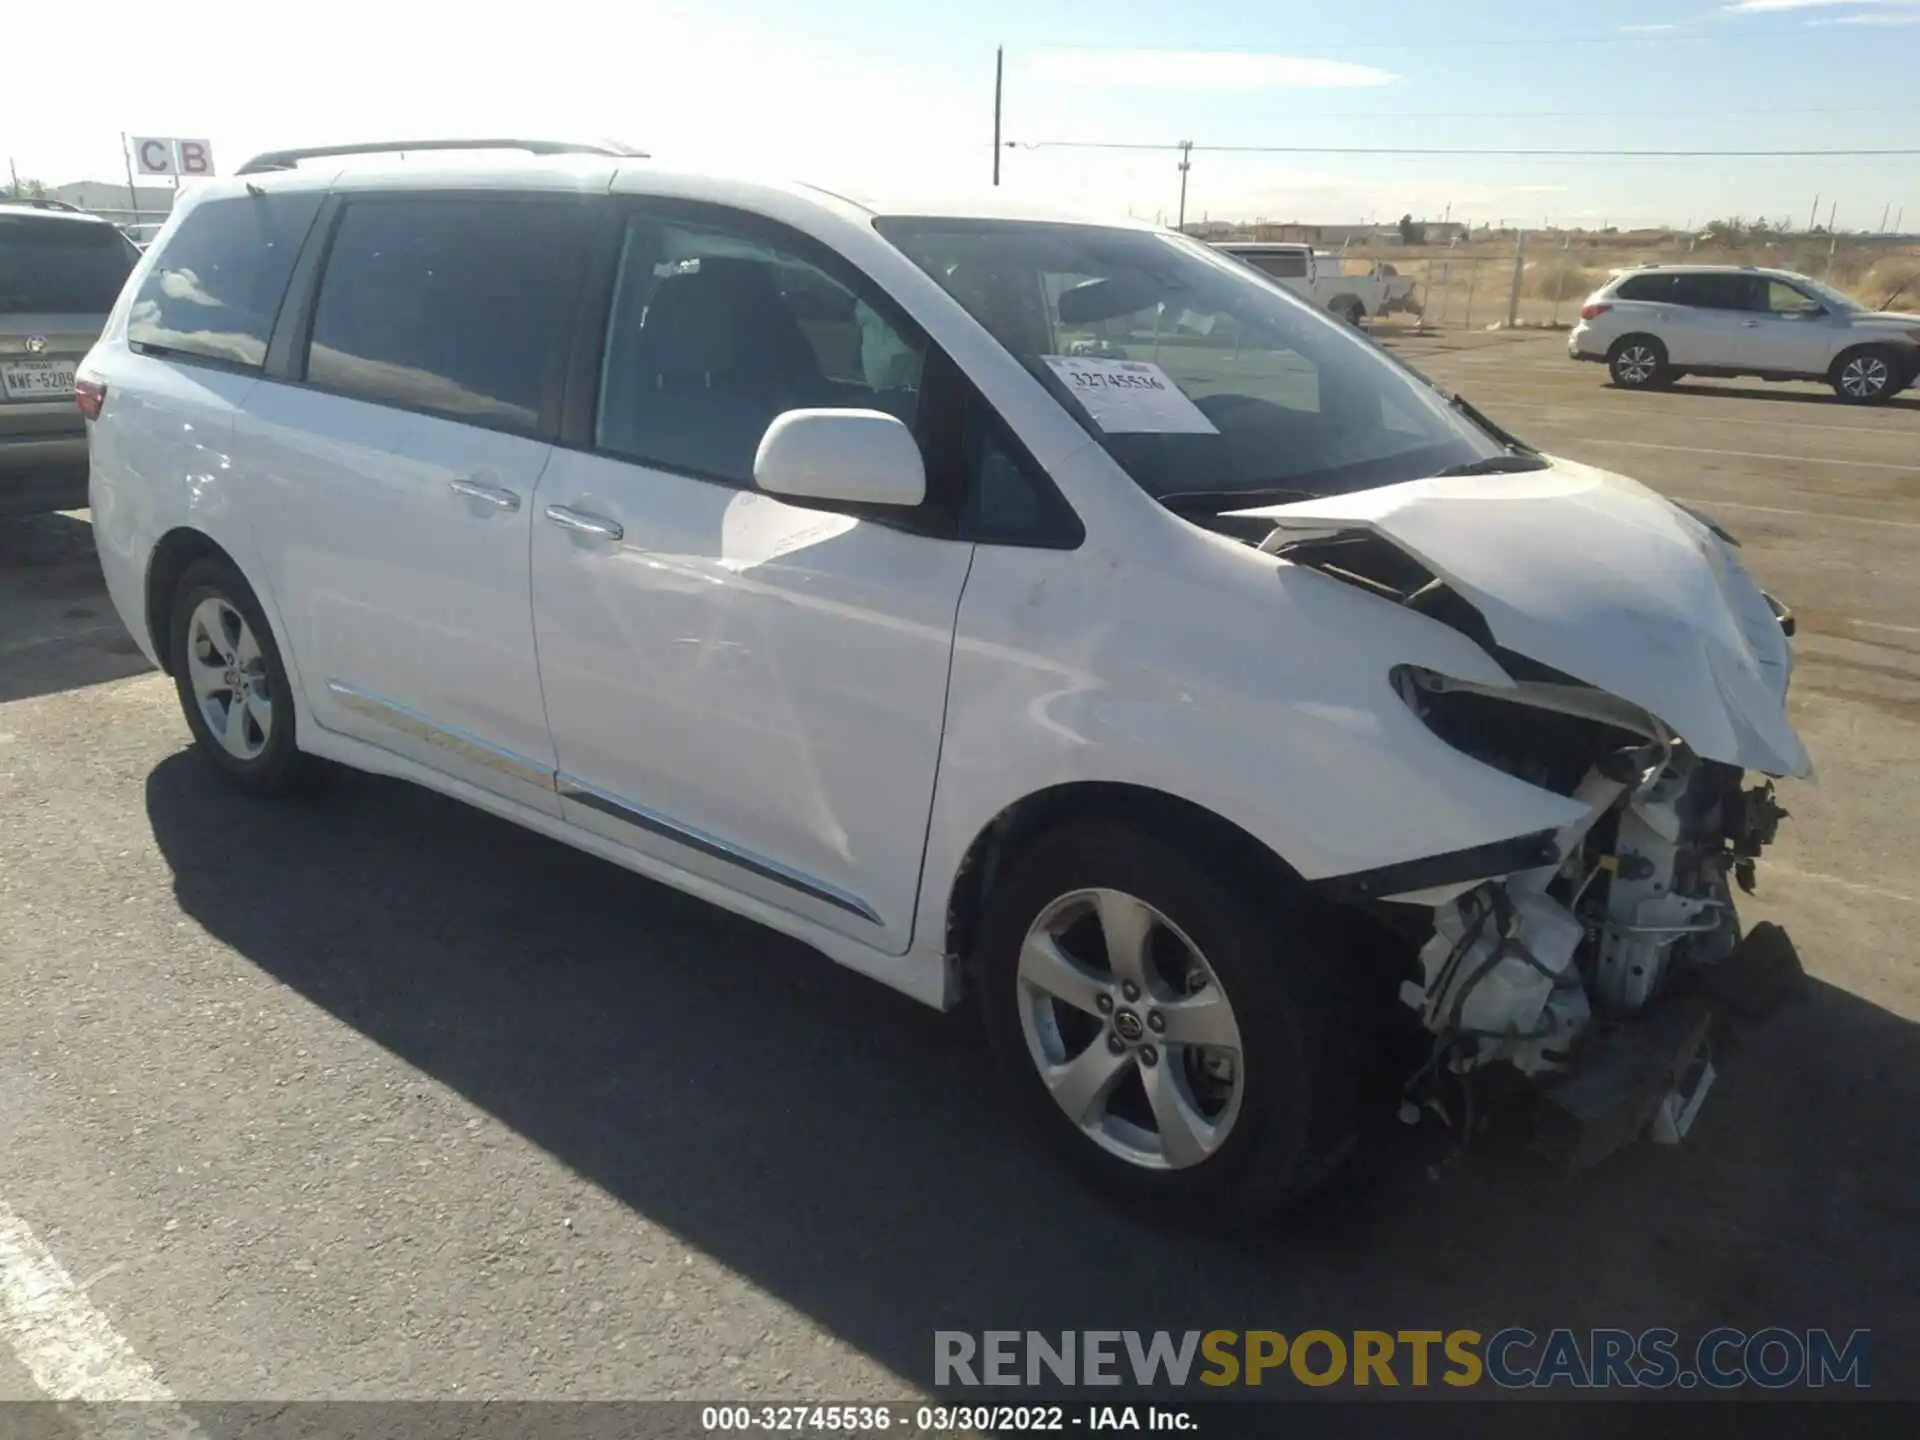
(1458, 150)
(1600, 114)
(1438, 42)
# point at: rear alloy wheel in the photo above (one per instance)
(1639, 362)
(229, 678)
(1170, 1024)
(232, 685)
(1866, 376)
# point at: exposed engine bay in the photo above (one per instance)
(1639, 902)
(1544, 971)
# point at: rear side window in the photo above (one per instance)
(215, 289)
(454, 307)
(1283, 265)
(60, 267)
(1646, 287)
(1713, 292)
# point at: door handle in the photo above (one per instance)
(493, 495)
(1749, 324)
(582, 523)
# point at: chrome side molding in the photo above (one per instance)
(475, 751)
(571, 787)
(457, 743)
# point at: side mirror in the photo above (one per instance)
(859, 456)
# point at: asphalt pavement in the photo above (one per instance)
(370, 1095)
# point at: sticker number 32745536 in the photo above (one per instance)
(1129, 397)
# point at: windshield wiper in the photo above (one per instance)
(1514, 444)
(1512, 464)
(1214, 502)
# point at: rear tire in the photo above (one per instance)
(1868, 375)
(232, 685)
(1639, 362)
(1211, 1074)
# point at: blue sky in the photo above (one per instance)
(889, 97)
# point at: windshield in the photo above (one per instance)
(1200, 378)
(60, 266)
(1829, 295)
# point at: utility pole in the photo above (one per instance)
(1885, 211)
(1186, 164)
(999, 62)
(1519, 269)
(133, 196)
(14, 171)
(1832, 210)
(1813, 215)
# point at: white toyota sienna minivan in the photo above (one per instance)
(1051, 612)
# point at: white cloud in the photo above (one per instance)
(1879, 18)
(1765, 7)
(1199, 70)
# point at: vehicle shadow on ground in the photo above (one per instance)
(58, 630)
(847, 1150)
(1775, 392)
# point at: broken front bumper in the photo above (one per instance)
(1652, 1073)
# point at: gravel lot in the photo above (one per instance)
(376, 1096)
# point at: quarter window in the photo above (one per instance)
(215, 289)
(715, 329)
(457, 307)
(1646, 287)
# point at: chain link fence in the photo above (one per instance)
(1541, 279)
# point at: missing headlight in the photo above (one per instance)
(1514, 733)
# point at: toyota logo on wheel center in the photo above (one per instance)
(1127, 1025)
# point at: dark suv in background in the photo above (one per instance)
(60, 272)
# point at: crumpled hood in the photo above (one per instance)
(1604, 580)
(1889, 318)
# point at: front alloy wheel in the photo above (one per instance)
(1865, 377)
(1170, 1015)
(1130, 1029)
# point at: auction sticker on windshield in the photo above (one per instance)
(1129, 397)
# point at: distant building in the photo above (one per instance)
(111, 199)
(1332, 237)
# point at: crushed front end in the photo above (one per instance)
(1601, 974)
(1647, 681)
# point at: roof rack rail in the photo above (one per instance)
(41, 202)
(287, 159)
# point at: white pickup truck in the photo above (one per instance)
(1323, 279)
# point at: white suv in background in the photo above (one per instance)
(1651, 326)
(1203, 701)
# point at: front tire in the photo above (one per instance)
(1869, 375)
(232, 685)
(1175, 1040)
(1639, 362)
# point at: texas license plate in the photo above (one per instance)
(37, 379)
